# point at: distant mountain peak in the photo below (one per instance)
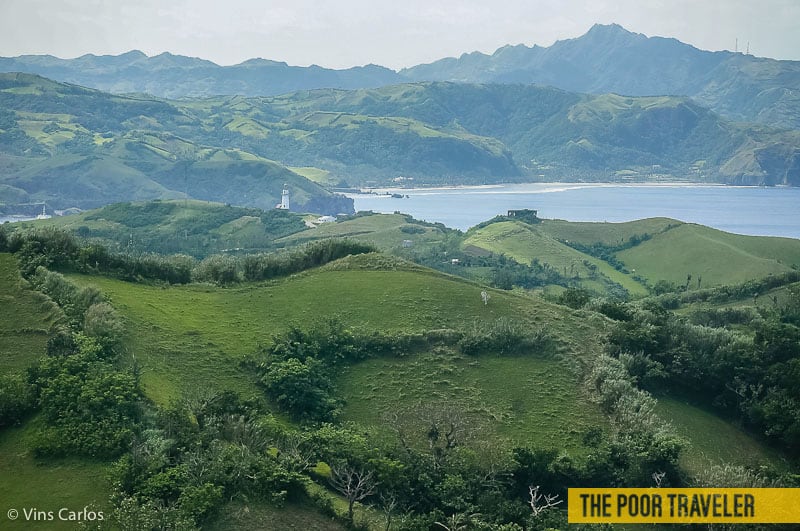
(134, 54)
(260, 61)
(609, 32)
(606, 28)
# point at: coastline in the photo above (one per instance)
(555, 186)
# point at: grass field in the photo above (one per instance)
(713, 440)
(311, 173)
(185, 226)
(187, 337)
(27, 318)
(260, 516)
(382, 230)
(522, 400)
(587, 233)
(49, 485)
(524, 243)
(715, 256)
(25, 330)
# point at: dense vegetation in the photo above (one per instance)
(748, 372)
(419, 465)
(52, 248)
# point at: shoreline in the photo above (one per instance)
(747, 210)
(552, 186)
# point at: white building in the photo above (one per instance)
(44, 214)
(284, 204)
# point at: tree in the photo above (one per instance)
(574, 297)
(301, 387)
(17, 399)
(354, 484)
(541, 502)
(102, 322)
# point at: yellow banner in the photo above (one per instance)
(684, 506)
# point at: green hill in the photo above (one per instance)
(198, 340)
(192, 227)
(385, 231)
(190, 335)
(711, 255)
(526, 243)
(72, 146)
(23, 337)
(609, 234)
(27, 323)
(553, 134)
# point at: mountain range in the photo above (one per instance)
(592, 108)
(72, 146)
(608, 58)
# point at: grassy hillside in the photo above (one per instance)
(189, 342)
(77, 147)
(47, 485)
(713, 439)
(191, 336)
(610, 234)
(25, 330)
(525, 243)
(192, 227)
(524, 400)
(28, 318)
(553, 133)
(72, 146)
(253, 516)
(385, 231)
(594, 255)
(714, 256)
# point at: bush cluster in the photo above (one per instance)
(58, 250)
(748, 373)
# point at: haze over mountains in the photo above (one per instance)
(607, 58)
(609, 105)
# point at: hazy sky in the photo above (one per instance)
(398, 33)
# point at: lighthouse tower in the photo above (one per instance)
(284, 205)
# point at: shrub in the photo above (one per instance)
(17, 399)
(504, 337)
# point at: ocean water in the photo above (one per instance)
(12, 219)
(737, 209)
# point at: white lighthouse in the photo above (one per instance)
(284, 205)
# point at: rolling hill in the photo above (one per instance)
(526, 243)
(75, 147)
(79, 147)
(200, 339)
(553, 134)
(710, 256)
(191, 227)
(620, 259)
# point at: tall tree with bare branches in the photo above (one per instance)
(354, 484)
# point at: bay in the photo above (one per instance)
(738, 209)
(13, 219)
